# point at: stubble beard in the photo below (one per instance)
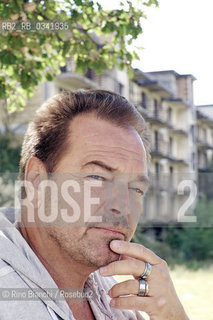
(89, 252)
(99, 254)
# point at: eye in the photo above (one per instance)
(138, 191)
(96, 177)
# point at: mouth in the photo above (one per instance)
(111, 231)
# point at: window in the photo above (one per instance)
(170, 145)
(156, 141)
(205, 160)
(118, 87)
(90, 74)
(156, 108)
(204, 134)
(193, 133)
(158, 206)
(157, 171)
(198, 133)
(63, 69)
(144, 100)
(193, 160)
(169, 115)
(199, 159)
(170, 177)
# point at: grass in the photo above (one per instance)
(195, 290)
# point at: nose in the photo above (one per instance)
(118, 199)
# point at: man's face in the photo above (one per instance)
(114, 157)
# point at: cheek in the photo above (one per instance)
(135, 207)
(98, 197)
(131, 235)
(99, 193)
(89, 200)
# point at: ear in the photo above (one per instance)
(35, 172)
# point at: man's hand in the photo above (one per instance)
(162, 302)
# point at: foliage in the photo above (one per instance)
(96, 38)
(9, 161)
(194, 243)
(9, 154)
(189, 245)
(205, 179)
(160, 248)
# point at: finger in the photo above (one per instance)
(123, 267)
(155, 288)
(125, 257)
(135, 250)
(145, 304)
(125, 288)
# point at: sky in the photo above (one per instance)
(179, 36)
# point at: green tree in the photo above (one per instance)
(187, 244)
(96, 38)
(192, 243)
(9, 160)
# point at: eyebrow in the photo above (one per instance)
(100, 164)
(142, 178)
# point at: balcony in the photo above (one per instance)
(204, 119)
(143, 79)
(203, 144)
(69, 78)
(168, 182)
(202, 168)
(162, 182)
(142, 109)
(179, 132)
(180, 103)
(205, 163)
(162, 149)
(159, 117)
(205, 180)
(159, 149)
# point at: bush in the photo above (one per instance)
(160, 248)
(189, 245)
(194, 243)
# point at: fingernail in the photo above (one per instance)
(103, 271)
(116, 244)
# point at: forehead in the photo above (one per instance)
(93, 139)
(88, 131)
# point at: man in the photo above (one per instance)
(84, 165)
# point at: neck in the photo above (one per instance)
(66, 272)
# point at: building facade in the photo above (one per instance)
(165, 100)
(205, 149)
(205, 137)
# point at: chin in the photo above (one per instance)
(103, 261)
(102, 256)
(110, 258)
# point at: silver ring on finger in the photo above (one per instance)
(147, 271)
(143, 288)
